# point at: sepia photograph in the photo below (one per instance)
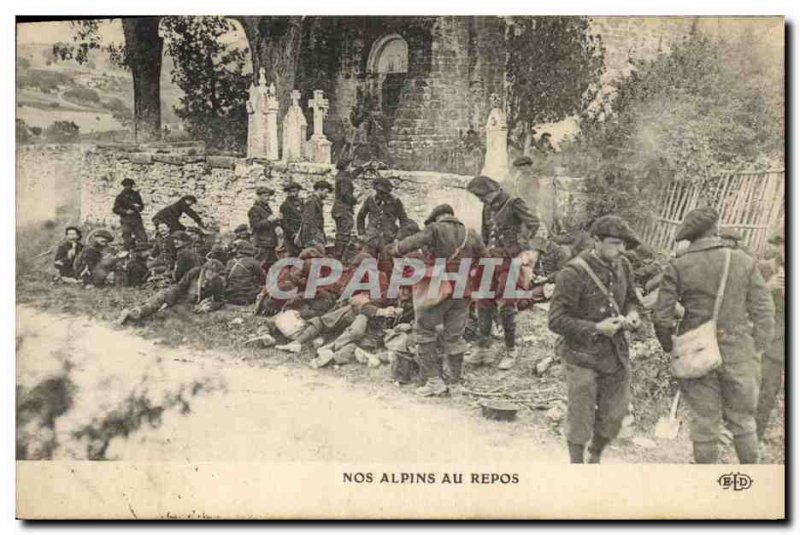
(400, 267)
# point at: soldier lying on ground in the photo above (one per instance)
(202, 288)
(66, 252)
(244, 276)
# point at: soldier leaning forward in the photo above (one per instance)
(730, 392)
(203, 287)
(593, 344)
(380, 218)
(343, 211)
(312, 227)
(128, 206)
(171, 215)
(508, 229)
(446, 238)
(263, 223)
(291, 217)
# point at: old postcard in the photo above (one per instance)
(414, 267)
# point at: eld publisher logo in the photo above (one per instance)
(735, 481)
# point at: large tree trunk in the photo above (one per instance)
(143, 48)
(275, 46)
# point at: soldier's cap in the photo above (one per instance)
(76, 229)
(103, 233)
(245, 247)
(194, 230)
(217, 251)
(383, 184)
(309, 252)
(212, 264)
(188, 198)
(611, 226)
(264, 189)
(128, 182)
(696, 223)
(342, 164)
(292, 185)
(730, 234)
(437, 211)
(523, 161)
(323, 184)
(181, 235)
(482, 185)
(241, 229)
(778, 237)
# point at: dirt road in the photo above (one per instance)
(254, 412)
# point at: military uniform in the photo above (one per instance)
(64, 261)
(131, 225)
(597, 366)
(773, 362)
(171, 215)
(291, 220)
(445, 238)
(244, 278)
(343, 211)
(312, 232)
(379, 220)
(162, 256)
(185, 259)
(730, 392)
(264, 237)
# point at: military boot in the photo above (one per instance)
(746, 447)
(433, 387)
(509, 359)
(596, 448)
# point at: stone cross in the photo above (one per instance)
(272, 107)
(496, 161)
(320, 107)
(294, 130)
(256, 118)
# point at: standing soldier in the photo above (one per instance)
(312, 228)
(128, 206)
(343, 212)
(773, 271)
(508, 227)
(730, 392)
(291, 217)
(171, 215)
(264, 222)
(447, 238)
(380, 217)
(593, 303)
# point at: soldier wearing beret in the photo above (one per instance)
(67, 251)
(128, 206)
(171, 215)
(185, 256)
(380, 217)
(447, 239)
(343, 211)
(772, 364)
(312, 230)
(591, 322)
(264, 222)
(244, 276)
(744, 331)
(291, 217)
(508, 228)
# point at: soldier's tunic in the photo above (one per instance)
(190, 290)
(185, 259)
(264, 238)
(448, 239)
(243, 280)
(343, 211)
(64, 261)
(93, 265)
(162, 256)
(597, 367)
(773, 362)
(379, 220)
(312, 232)
(171, 215)
(131, 225)
(731, 391)
(291, 219)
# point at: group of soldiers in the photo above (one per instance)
(596, 301)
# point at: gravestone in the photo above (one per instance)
(294, 130)
(256, 118)
(319, 147)
(272, 124)
(496, 162)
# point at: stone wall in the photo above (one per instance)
(47, 183)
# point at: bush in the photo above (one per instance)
(82, 95)
(62, 132)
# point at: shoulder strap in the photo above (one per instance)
(578, 261)
(722, 283)
(460, 247)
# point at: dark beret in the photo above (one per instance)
(245, 247)
(181, 235)
(264, 189)
(292, 185)
(128, 182)
(437, 211)
(696, 223)
(522, 161)
(194, 230)
(187, 198)
(103, 233)
(323, 184)
(481, 185)
(383, 184)
(611, 226)
(241, 228)
(76, 229)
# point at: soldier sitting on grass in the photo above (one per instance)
(96, 261)
(66, 252)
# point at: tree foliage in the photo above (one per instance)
(210, 72)
(553, 70)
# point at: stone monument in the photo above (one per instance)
(496, 162)
(319, 148)
(256, 118)
(273, 150)
(294, 130)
